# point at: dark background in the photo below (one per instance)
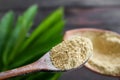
(104, 14)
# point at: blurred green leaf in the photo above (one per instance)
(36, 51)
(43, 41)
(44, 26)
(19, 33)
(6, 25)
(27, 20)
(56, 76)
(56, 29)
(18, 49)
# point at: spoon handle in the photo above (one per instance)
(19, 71)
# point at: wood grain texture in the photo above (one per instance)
(84, 74)
(105, 18)
(23, 4)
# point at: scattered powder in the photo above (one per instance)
(106, 52)
(71, 53)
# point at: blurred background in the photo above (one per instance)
(104, 14)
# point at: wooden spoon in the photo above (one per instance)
(43, 64)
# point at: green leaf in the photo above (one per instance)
(19, 49)
(56, 29)
(36, 51)
(56, 76)
(53, 18)
(19, 34)
(45, 76)
(11, 41)
(6, 25)
(26, 23)
(39, 76)
(36, 75)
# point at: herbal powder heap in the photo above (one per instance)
(71, 53)
(106, 52)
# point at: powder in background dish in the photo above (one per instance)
(71, 53)
(106, 52)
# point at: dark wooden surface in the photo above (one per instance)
(84, 74)
(104, 18)
(22, 4)
(103, 14)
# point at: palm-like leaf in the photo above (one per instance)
(6, 25)
(17, 50)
